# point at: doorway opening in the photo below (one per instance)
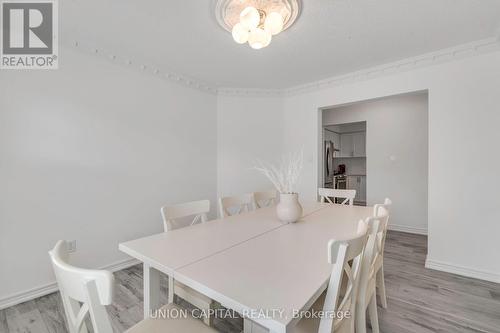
(379, 147)
(344, 158)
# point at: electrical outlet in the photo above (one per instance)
(71, 246)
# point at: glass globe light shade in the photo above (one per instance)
(250, 17)
(274, 23)
(240, 33)
(259, 38)
(269, 36)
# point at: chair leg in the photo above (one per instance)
(360, 317)
(372, 310)
(381, 287)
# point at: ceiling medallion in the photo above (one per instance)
(256, 21)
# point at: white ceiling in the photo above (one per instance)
(331, 37)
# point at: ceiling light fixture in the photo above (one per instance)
(256, 21)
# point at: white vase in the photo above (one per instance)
(289, 209)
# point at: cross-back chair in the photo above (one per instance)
(381, 210)
(234, 205)
(86, 292)
(346, 258)
(197, 209)
(327, 194)
(171, 213)
(367, 298)
(265, 199)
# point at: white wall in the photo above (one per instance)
(249, 128)
(464, 116)
(90, 152)
(94, 146)
(396, 150)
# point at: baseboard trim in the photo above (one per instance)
(410, 230)
(50, 288)
(27, 295)
(121, 264)
(461, 270)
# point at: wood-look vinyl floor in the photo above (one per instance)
(420, 300)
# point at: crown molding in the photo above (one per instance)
(421, 61)
(147, 68)
(250, 92)
(408, 64)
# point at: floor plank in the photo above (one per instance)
(3, 323)
(25, 318)
(406, 317)
(52, 312)
(420, 300)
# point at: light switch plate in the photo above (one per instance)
(71, 246)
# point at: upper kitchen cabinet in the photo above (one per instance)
(359, 143)
(353, 144)
(346, 145)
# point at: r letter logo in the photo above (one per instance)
(29, 34)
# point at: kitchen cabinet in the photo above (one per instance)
(346, 145)
(353, 144)
(362, 189)
(357, 183)
(359, 144)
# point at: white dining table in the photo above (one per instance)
(250, 263)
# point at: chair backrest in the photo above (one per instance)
(377, 227)
(382, 209)
(83, 291)
(198, 209)
(346, 257)
(235, 205)
(327, 193)
(265, 199)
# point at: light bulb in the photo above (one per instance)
(250, 17)
(274, 23)
(240, 33)
(259, 38)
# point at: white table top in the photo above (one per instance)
(172, 250)
(285, 268)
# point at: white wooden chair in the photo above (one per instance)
(367, 298)
(265, 199)
(328, 193)
(346, 256)
(198, 209)
(380, 210)
(86, 292)
(236, 205)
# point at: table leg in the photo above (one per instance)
(250, 326)
(151, 290)
(247, 325)
(170, 289)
